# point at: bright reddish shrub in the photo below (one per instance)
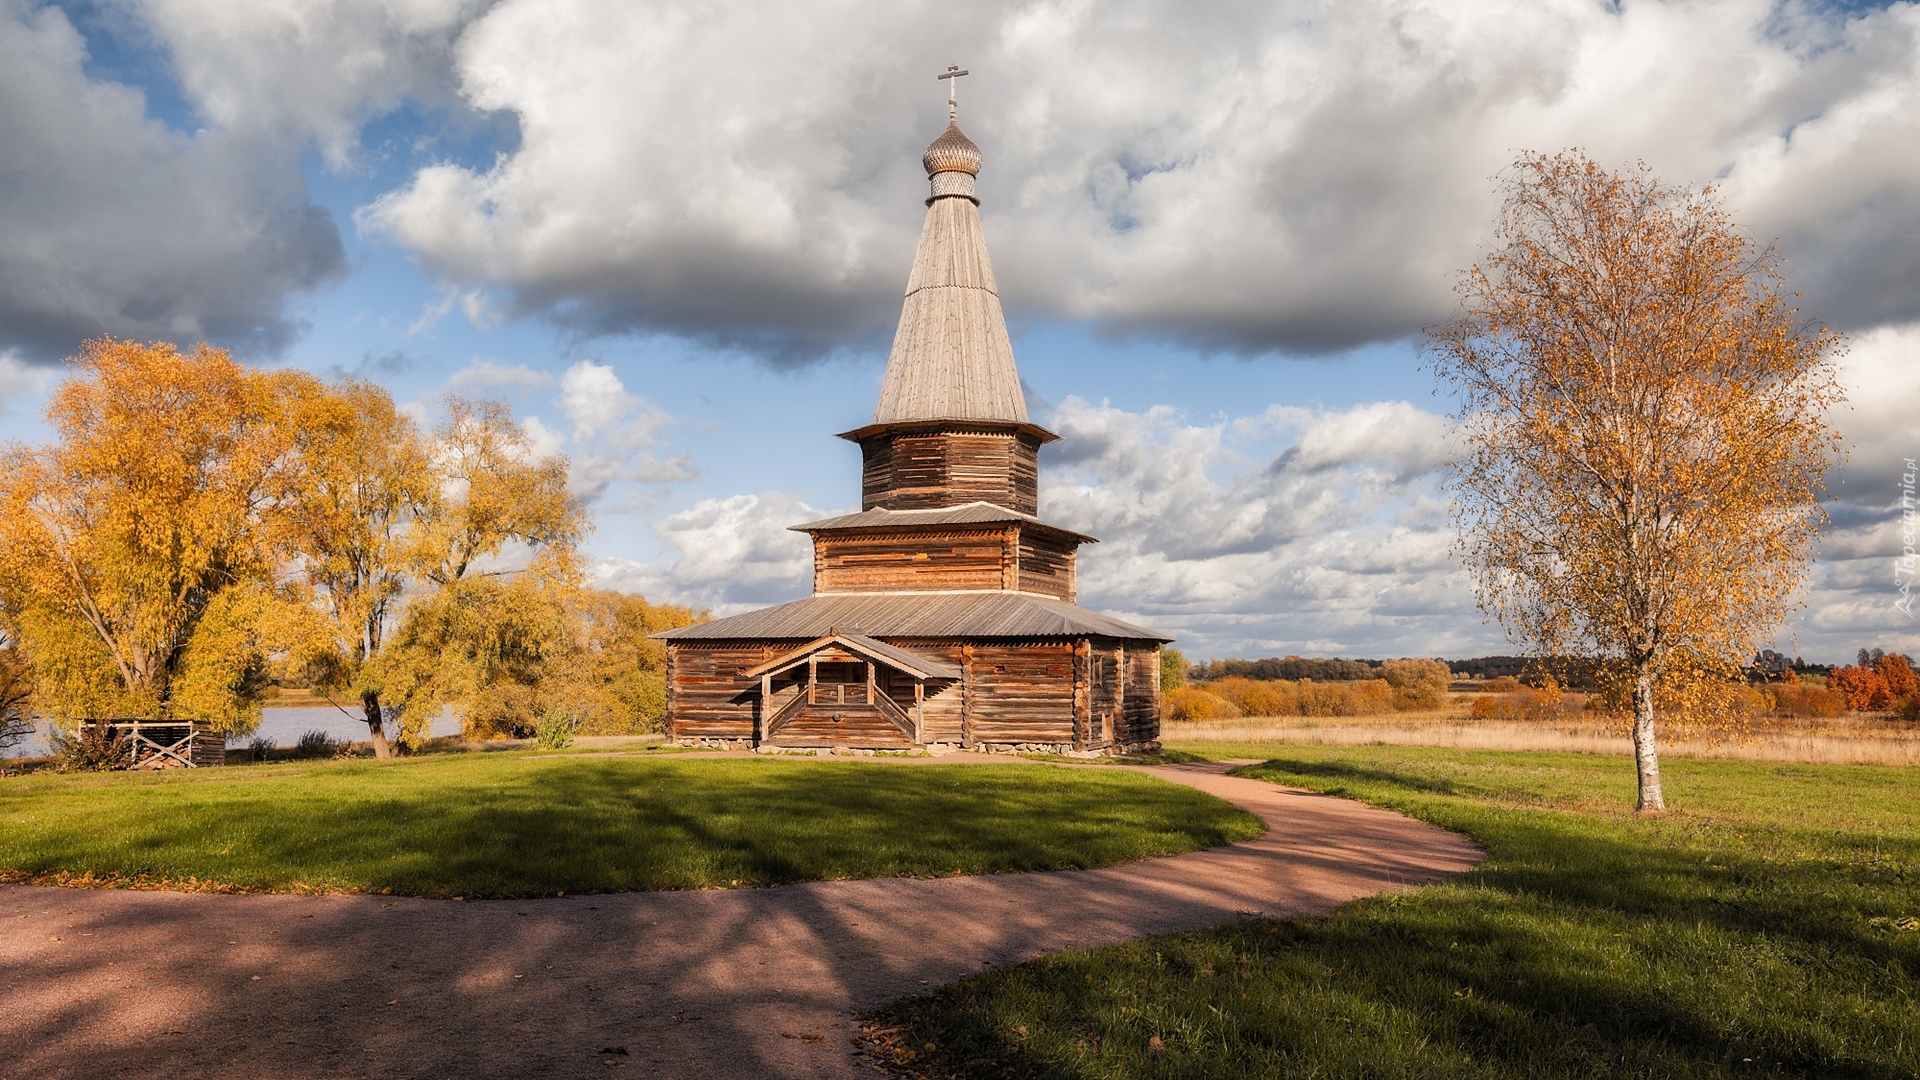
(1898, 675)
(1864, 688)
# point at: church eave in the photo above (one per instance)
(957, 423)
(973, 513)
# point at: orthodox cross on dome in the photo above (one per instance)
(952, 75)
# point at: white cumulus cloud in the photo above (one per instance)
(1292, 175)
(1288, 531)
(734, 554)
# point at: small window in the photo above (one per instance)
(843, 673)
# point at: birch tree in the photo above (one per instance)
(1644, 432)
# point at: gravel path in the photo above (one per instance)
(724, 983)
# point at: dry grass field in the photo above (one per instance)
(1852, 739)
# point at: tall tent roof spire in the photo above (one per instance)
(951, 358)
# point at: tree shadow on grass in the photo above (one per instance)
(1343, 770)
(533, 827)
(1584, 946)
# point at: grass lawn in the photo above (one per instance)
(1768, 925)
(526, 824)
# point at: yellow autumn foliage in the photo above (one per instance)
(1644, 435)
(143, 519)
(196, 526)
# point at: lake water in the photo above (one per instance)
(283, 726)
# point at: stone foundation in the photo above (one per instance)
(715, 744)
(1063, 749)
(940, 749)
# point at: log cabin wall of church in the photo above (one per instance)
(1085, 692)
(703, 689)
(1046, 564)
(1140, 712)
(988, 557)
(1123, 688)
(1021, 693)
(927, 470)
(910, 559)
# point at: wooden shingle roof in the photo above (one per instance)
(924, 615)
(951, 357)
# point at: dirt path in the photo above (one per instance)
(742, 983)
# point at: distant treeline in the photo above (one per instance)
(1316, 669)
(1292, 668)
(1566, 671)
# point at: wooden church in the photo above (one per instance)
(942, 614)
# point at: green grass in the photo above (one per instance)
(527, 824)
(1766, 926)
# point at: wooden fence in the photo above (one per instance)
(166, 744)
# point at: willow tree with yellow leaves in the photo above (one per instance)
(1644, 432)
(133, 563)
(389, 525)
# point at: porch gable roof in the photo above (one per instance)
(917, 664)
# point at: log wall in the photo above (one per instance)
(1023, 693)
(1088, 693)
(708, 693)
(929, 469)
(1046, 564)
(868, 561)
(1140, 713)
(987, 556)
(1103, 691)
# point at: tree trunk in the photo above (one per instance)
(376, 726)
(1646, 755)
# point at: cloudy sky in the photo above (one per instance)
(674, 235)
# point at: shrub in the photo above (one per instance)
(1897, 673)
(1256, 697)
(1800, 700)
(1908, 709)
(1417, 684)
(1505, 684)
(317, 744)
(1345, 699)
(95, 748)
(556, 729)
(1864, 688)
(259, 747)
(1193, 704)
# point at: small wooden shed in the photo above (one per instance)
(943, 614)
(166, 744)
